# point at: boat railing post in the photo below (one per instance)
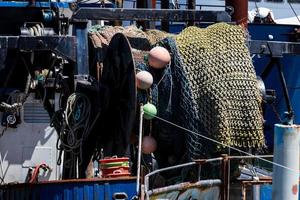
(225, 179)
(244, 189)
(140, 150)
(286, 162)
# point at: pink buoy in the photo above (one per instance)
(144, 80)
(159, 57)
(149, 145)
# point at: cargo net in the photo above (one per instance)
(218, 96)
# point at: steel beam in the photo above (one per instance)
(64, 46)
(80, 30)
(274, 48)
(150, 15)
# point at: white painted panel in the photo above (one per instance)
(28, 145)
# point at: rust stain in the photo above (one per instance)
(295, 189)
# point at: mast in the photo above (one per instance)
(240, 15)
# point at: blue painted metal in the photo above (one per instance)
(278, 31)
(70, 190)
(81, 32)
(291, 72)
(266, 192)
(38, 4)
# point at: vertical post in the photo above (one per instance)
(142, 196)
(153, 3)
(191, 6)
(256, 189)
(290, 116)
(286, 153)
(82, 56)
(140, 150)
(141, 4)
(165, 24)
(240, 8)
(225, 178)
(244, 189)
(119, 4)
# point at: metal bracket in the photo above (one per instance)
(65, 46)
(276, 50)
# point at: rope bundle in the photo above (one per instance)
(75, 126)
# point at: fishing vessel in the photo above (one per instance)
(283, 11)
(94, 110)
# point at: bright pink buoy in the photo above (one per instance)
(159, 57)
(149, 145)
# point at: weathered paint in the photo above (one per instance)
(196, 193)
(286, 153)
(204, 189)
(70, 190)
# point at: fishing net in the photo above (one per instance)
(140, 41)
(216, 89)
(210, 88)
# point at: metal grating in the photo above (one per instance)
(35, 113)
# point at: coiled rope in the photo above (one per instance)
(75, 125)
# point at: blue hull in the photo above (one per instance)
(101, 189)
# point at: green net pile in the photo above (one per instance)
(223, 85)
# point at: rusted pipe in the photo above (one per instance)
(203, 161)
(240, 11)
(142, 196)
(186, 185)
(243, 191)
(255, 182)
(153, 3)
(225, 178)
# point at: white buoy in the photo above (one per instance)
(159, 57)
(144, 80)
